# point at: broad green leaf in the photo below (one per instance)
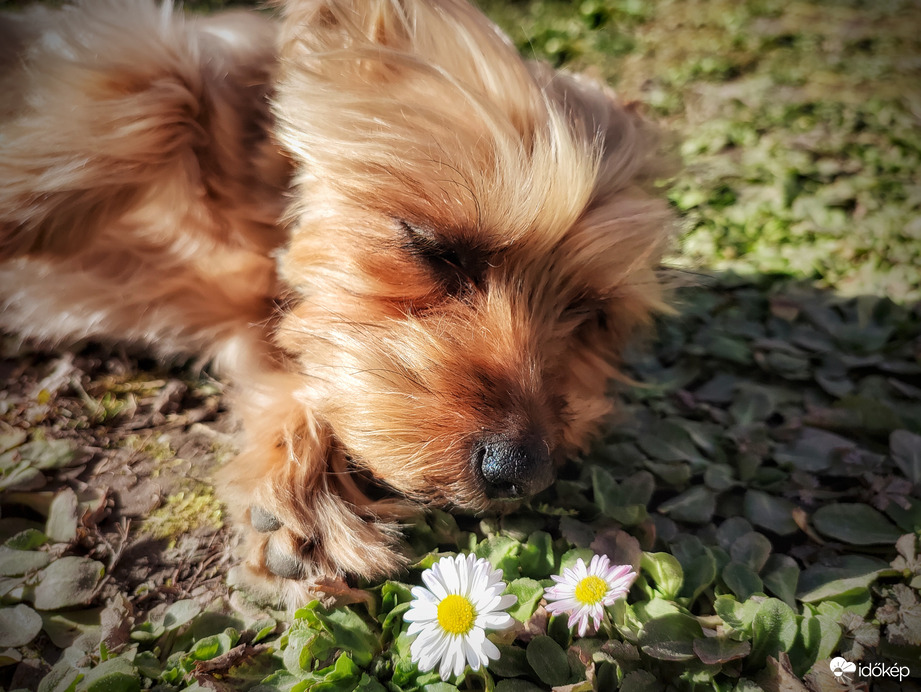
(774, 629)
(814, 450)
(695, 505)
(855, 523)
(16, 562)
(751, 549)
(905, 448)
(27, 540)
(838, 576)
(179, 613)
(665, 571)
(18, 625)
(351, 633)
(742, 580)
(502, 553)
(115, 675)
(61, 526)
(548, 660)
(670, 637)
(48, 454)
(536, 558)
(528, 592)
(716, 650)
(770, 512)
(67, 582)
(781, 577)
(512, 662)
(737, 615)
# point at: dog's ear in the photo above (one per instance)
(633, 150)
(379, 36)
(363, 78)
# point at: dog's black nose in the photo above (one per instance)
(515, 468)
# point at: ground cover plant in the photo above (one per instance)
(764, 478)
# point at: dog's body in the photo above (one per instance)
(469, 241)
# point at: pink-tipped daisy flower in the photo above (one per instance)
(584, 592)
(450, 617)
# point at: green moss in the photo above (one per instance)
(185, 511)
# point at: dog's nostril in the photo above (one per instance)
(514, 469)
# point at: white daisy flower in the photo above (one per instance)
(463, 599)
(583, 592)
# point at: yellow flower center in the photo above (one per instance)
(589, 591)
(456, 614)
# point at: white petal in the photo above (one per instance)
(448, 573)
(432, 579)
(420, 611)
(489, 650)
(420, 593)
(494, 621)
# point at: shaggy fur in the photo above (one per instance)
(468, 242)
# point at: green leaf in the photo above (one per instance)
(513, 685)
(839, 576)
(695, 505)
(16, 562)
(351, 633)
(548, 660)
(665, 571)
(48, 454)
(63, 677)
(905, 448)
(179, 613)
(781, 577)
(26, 540)
(774, 629)
(770, 512)
(528, 592)
(741, 580)
(670, 637)
(717, 650)
(619, 501)
(855, 523)
(737, 615)
(668, 441)
(502, 553)
(115, 675)
(67, 582)
(751, 549)
(814, 450)
(512, 662)
(18, 625)
(536, 558)
(61, 526)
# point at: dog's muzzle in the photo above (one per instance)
(514, 468)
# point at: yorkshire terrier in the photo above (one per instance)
(416, 255)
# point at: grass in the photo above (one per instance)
(765, 479)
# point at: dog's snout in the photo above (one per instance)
(514, 468)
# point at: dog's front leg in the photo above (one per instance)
(306, 525)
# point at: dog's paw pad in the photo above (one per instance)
(283, 563)
(262, 520)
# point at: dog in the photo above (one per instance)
(416, 256)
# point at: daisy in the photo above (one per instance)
(583, 592)
(463, 599)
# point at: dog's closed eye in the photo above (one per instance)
(458, 266)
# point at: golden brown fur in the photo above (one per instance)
(469, 241)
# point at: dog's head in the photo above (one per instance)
(474, 240)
